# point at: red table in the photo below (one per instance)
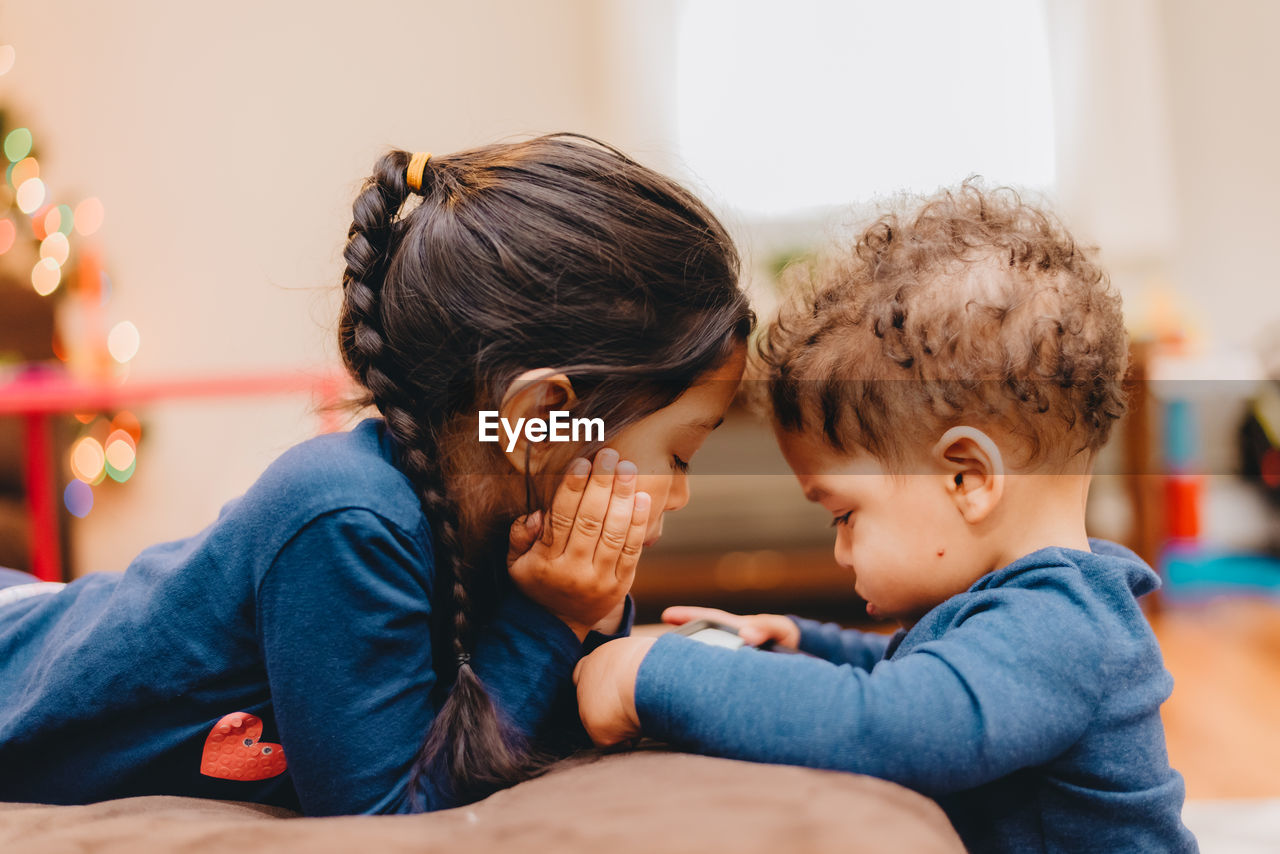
(38, 394)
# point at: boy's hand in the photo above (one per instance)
(606, 681)
(754, 629)
(580, 566)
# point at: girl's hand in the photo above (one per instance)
(606, 681)
(581, 566)
(524, 531)
(754, 629)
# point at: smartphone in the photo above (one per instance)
(723, 635)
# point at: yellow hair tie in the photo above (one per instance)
(417, 163)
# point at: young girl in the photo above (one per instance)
(346, 637)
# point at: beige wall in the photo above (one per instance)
(1167, 137)
(1224, 87)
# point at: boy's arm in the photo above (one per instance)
(994, 694)
(841, 646)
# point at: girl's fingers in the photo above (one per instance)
(589, 520)
(524, 532)
(564, 507)
(617, 520)
(629, 556)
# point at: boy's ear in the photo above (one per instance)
(533, 394)
(973, 471)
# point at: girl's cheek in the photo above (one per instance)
(659, 485)
(654, 484)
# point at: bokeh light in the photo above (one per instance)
(7, 234)
(31, 195)
(87, 459)
(7, 56)
(78, 497)
(85, 417)
(46, 276)
(58, 218)
(123, 341)
(24, 170)
(88, 216)
(37, 224)
(120, 450)
(122, 458)
(55, 246)
(129, 423)
(121, 476)
(17, 144)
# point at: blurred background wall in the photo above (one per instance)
(226, 144)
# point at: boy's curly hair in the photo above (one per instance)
(975, 307)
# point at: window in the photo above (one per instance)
(787, 108)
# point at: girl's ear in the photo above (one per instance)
(533, 394)
(973, 471)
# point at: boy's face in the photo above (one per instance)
(901, 535)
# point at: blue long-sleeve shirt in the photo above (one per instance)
(1028, 706)
(285, 655)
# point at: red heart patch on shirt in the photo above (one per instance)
(232, 750)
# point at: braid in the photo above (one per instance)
(479, 755)
(368, 248)
(426, 474)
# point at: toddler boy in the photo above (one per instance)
(943, 390)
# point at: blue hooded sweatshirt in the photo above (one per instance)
(1027, 706)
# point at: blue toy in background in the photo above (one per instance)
(1193, 572)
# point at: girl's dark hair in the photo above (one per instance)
(556, 252)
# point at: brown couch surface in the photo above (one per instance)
(643, 801)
